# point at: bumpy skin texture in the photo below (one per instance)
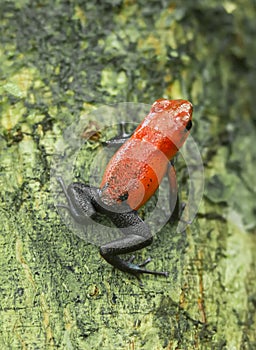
(131, 178)
(138, 167)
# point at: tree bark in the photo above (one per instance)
(59, 64)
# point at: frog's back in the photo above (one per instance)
(137, 168)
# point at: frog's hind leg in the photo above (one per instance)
(137, 236)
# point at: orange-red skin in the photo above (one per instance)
(137, 168)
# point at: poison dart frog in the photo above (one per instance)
(132, 176)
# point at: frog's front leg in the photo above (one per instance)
(120, 139)
(137, 236)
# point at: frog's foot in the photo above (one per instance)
(144, 263)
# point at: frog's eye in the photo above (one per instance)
(123, 197)
(189, 125)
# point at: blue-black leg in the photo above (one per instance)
(84, 202)
(120, 139)
(174, 203)
(176, 208)
(137, 236)
(79, 197)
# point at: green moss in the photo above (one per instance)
(58, 63)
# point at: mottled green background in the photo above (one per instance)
(58, 61)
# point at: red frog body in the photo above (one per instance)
(138, 167)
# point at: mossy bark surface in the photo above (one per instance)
(61, 60)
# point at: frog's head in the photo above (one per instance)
(179, 110)
(174, 118)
